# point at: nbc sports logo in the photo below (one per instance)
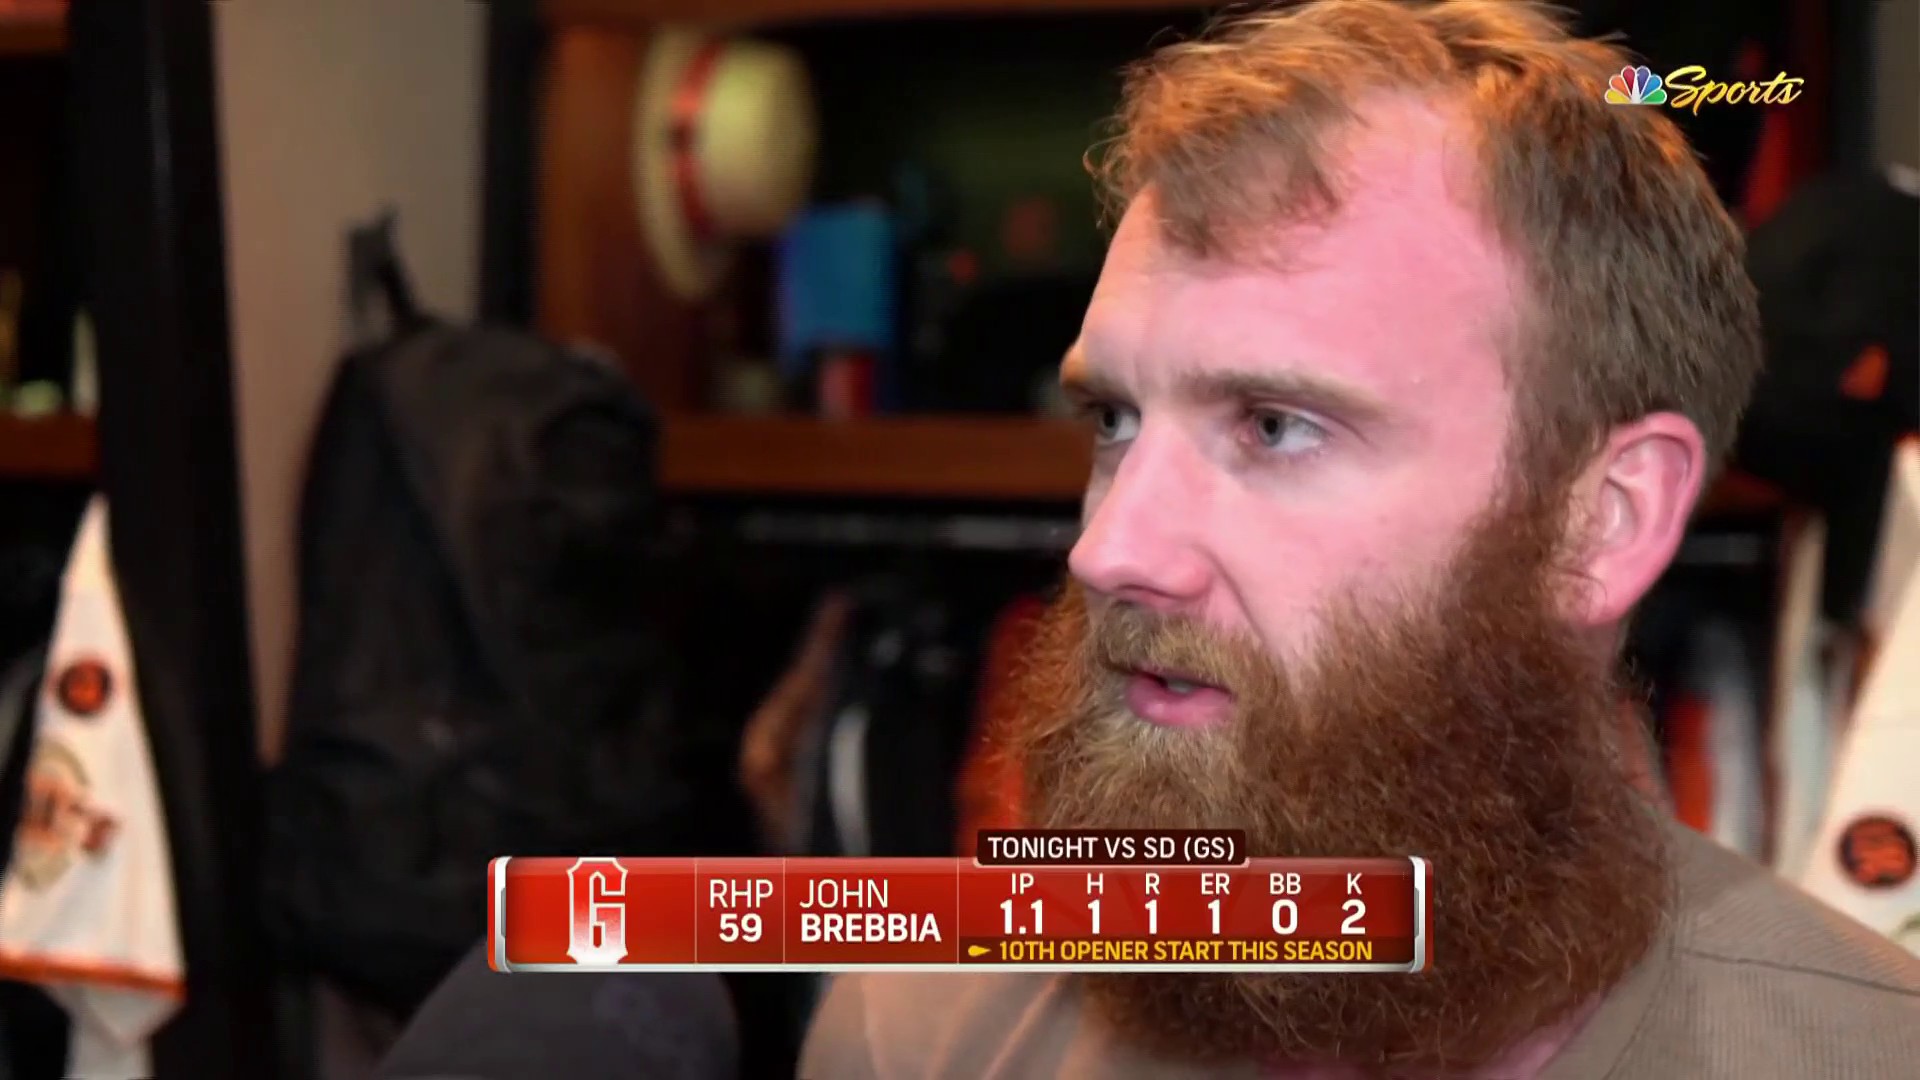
(1636, 86)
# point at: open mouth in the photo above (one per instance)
(1180, 684)
(1175, 698)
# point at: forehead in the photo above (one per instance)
(1404, 292)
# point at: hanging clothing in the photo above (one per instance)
(1866, 861)
(1837, 271)
(1806, 697)
(87, 905)
(878, 774)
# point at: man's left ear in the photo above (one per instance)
(1636, 497)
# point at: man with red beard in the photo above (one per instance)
(1408, 362)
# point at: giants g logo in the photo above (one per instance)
(596, 911)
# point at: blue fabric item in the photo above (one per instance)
(836, 284)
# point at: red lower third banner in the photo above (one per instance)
(601, 913)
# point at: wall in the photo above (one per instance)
(1897, 83)
(331, 111)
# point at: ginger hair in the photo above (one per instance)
(1636, 297)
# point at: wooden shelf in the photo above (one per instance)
(33, 29)
(938, 457)
(61, 447)
(922, 457)
(755, 12)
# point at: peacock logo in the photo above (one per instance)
(1689, 88)
(1636, 86)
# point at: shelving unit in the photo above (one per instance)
(61, 447)
(767, 12)
(598, 284)
(920, 457)
(33, 30)
(941, 457)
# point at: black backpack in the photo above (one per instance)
(477, 672)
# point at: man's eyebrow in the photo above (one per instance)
(1295, 388)
(1083, 384)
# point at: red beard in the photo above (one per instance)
(1469, 725)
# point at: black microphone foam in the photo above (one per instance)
(484, 1025)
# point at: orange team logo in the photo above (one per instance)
(1878, 852)
(596, 911)
(58, 819)
(84, 687)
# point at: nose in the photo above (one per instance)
(1140, 543)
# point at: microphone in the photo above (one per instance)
(481, 1024)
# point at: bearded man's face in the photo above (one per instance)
(1319, 597)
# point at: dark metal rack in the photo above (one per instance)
(516, 44)
(153, 272)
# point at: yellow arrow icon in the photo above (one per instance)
(978, 950)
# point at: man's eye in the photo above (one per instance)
(1113, 423)
(1286, 432)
